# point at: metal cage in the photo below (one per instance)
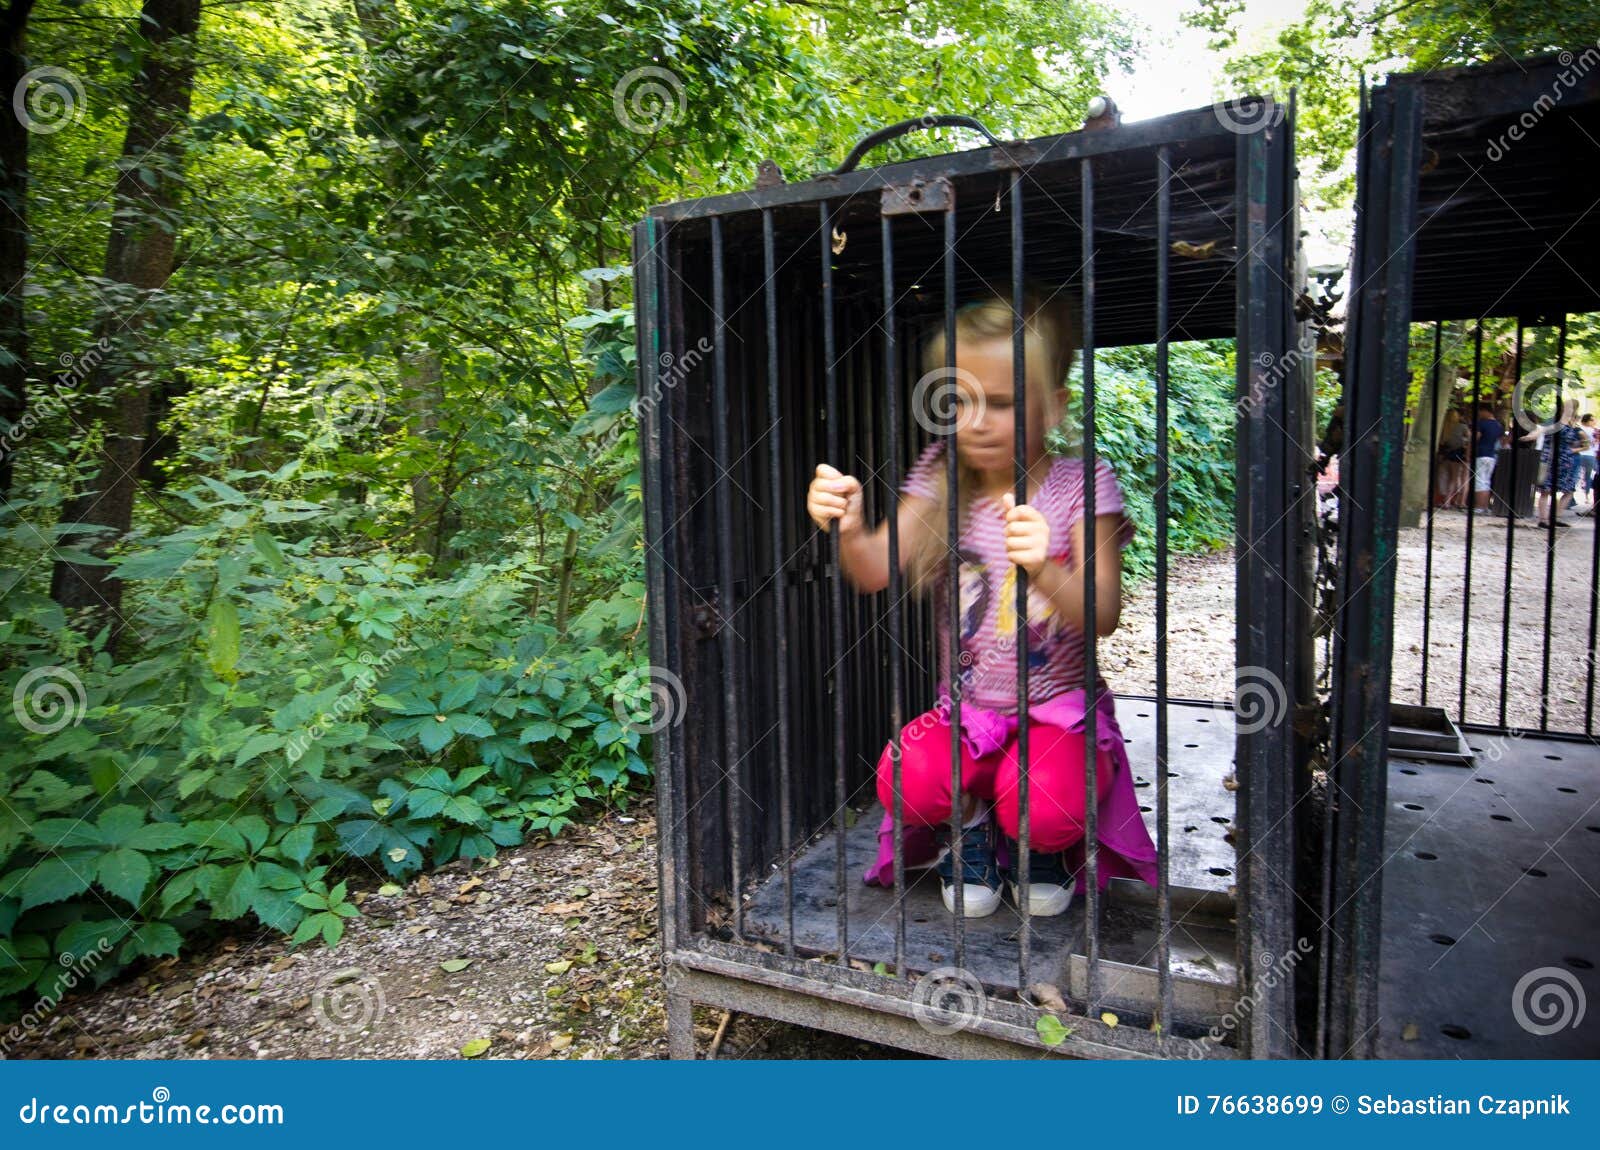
(776, 328)
(1447, 903)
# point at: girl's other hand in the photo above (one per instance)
(833, 495)
(1027, 535)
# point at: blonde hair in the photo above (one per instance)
(1049, 341)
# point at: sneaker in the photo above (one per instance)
(980, 888)
(1049, 885)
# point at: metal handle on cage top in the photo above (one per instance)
(884, 135)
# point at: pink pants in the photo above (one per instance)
(1055, 780)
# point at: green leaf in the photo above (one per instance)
(124, 873)
(475, 1047)
(53, 880)
(152, 939)
(233, 891)
(1051, 1030)
(222, 636)
(434, 736)
(297, 842)
(256, 745)
(455, 965)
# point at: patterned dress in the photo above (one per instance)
(1565, 440)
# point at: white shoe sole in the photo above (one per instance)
(1045, 900)
(978, 901)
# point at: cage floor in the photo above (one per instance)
(1200, 756)
(1491, 904)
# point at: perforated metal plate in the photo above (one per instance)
(1491, 904)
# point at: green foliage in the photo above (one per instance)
(1200, 414)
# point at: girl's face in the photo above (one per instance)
(985, 435)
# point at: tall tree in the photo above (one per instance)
(13, 233)
(139, 260)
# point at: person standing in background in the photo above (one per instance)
(1486, 436)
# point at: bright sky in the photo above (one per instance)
(1176, 72)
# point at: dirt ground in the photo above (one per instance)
(1570, 580)
(551, 950)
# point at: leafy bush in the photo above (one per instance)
(292, 714)
(1200, 423)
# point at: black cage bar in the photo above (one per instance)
(779, 328)
(1478, 223)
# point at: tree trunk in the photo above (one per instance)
(1421, 454)
(13, 237)
(139, 254)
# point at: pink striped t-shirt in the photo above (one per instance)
(987, 581)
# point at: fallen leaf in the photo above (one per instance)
(562, 1041)
(560, 966)
(1050, 1030)
(454, 965)
(1410, 1033)
(1107, 1017)
(476, 1047)
(390, 889)
(561, 908)
(471, 884)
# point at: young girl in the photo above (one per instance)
(1044, 536)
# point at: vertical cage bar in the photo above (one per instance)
(891, 393)
(1019, 400)
(1511, 544)
(1472, 514)
(780, 582)
(1594, 603)
(1163, 813)
(1091, 672)
(1433, 476)
(731, 703)
(835, 585)
(1553, 476)
(952, 580)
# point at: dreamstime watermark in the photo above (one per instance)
(1269, 371)
(349, 406)
(349, 702)
(946, 399)
(48, 99)
(78, 967)
(1248, 116)
(44, 404)
(671, 371)
(948, 999)
(655, 690)
(347, 1001)
(648, 99)
(1573, 70)
(49, 699)
(1538, 397)
(1260, 700)
(1274, 969)
(1548, 999)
